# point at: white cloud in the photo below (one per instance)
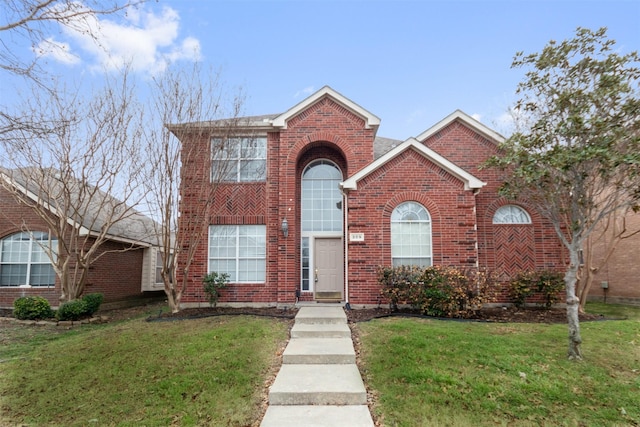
(145, 39)
(415, 115)
(306, 91)
(58, 51)
(477, 116)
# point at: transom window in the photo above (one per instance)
(511, 214)
(238, 250)
(24, 262)
(411, 235)
(238, 159)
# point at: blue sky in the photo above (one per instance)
(411, 63)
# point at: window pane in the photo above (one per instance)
(253, 170)
(42, 275)
(511, 214)
(321, 197)
(13, 275)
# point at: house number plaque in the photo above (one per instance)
(356, 237)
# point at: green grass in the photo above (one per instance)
(189, 373)
(447, 373)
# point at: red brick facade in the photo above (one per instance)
(443, 176)
(117, 275)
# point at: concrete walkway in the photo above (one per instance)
(319, 383)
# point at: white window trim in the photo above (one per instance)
(29, 263)
(237, 251)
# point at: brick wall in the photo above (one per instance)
(622, 272)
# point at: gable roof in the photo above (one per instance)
(470, 181)
(134, 227)
(467, 121)
(370, 120)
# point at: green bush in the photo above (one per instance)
(436, 291)
(72, 310)
(32, 308)
(213, 282)
(544, 284)
(93, 302)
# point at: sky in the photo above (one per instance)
(411, 63)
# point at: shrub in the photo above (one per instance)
(545, 283)
(213, 282)
(32, 308)
(93, 302)
(72, 310)
(436, 291)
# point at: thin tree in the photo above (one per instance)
(185, 105)
(579, 160)
(70, 174)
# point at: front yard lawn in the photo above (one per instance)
(207, 372)
(448, 373)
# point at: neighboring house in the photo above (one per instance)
(125, 271)
(618, 281)
(317, 201)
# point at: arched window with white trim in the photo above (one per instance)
(511, 214)
(24, 262)
(411, 235)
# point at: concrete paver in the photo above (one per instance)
(318, 416)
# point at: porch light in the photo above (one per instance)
(285, 228)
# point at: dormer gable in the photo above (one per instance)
(467, 121)
(370, 120)
(470, 181)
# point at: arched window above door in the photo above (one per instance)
(321, 197)
(511, 214)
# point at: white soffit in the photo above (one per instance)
(467, 120)
(470, 181)
(371, 120)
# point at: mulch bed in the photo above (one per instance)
(503, 315)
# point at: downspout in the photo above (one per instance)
(346, 248)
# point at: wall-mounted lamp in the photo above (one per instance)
(285, 228)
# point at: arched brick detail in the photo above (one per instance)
(316, 139)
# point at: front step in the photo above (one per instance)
(319, 351)
(318, 385)
(321, 315)
(330, 330)
(317, 416)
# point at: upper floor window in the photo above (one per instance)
(238, 159)
(24, 262)
(511, 214)
(411, 235)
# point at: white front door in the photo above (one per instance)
(329, 269)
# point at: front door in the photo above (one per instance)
(329, 269)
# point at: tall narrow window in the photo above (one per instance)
(411, 235)
(321, 197)
(24, 262)
(239, 251)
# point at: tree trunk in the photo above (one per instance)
(573, 305)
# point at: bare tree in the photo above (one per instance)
(69, 174)
(29, 21)
(184, 103)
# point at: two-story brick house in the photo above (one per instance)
(315, 201)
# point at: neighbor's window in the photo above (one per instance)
(411, 235)
(238, 159)
(239, 251)
(23, 261)
(511, 214)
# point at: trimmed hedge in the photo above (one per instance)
(32, 308)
